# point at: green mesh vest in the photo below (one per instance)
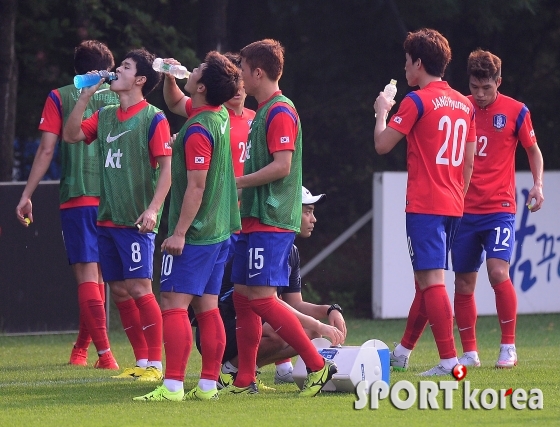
(128, 180)
(80, 162)
(277, 203)
(218, 215)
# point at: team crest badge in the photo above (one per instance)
(499, 121)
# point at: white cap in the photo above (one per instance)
(309, 199)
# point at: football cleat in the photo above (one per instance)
(283, 379)
(161, 394)
(231, 389)
(225, 379)
(151, 374)
(438, 370)
(507, 358)
(106, 361)
(467, 360)
(315, 381)
(262, 386)
(398, 363)
(78, 357)
(197, 394)
(130, 373)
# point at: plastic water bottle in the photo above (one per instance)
(390, 91)
(86, 80)
(177, 71)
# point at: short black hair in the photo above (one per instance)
(221, 78)
(92, 55)
(144, 60)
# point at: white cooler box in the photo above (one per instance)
(368, 362)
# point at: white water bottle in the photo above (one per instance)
(177, 71)
(390, 90)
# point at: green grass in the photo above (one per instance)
(38, 388)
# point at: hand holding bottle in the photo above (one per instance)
(389, 95)
(172, 67)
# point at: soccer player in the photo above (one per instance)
(135, 178)
(79, 199)
(488, 223)
(203, 213)
(272, 348)
(270, 217)
(440, 129)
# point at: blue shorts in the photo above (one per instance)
(198, 270)
(79, 232)
(232, 240)
(261, 259)
(125, 253)
(493, 233)
(429, 239)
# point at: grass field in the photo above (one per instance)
(38, 388)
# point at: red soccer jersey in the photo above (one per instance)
(498, 128)
(239, 131)
(437, 121)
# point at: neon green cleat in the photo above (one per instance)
(231, 389)
(315, 381)
(151, 374)
(261, 386)
(161, 394)
(225, 379)
(130, 373)
(197, 394)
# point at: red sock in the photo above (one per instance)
(465, 317)
(506, 306)
(286, 324)
(130, 319)
(438, 309)
(84, 338)
(248, 333)
(102, 291)
(212, 343)
(152, 325)
(279, 362)
(416, 321)
(93, 311)
(177, 335)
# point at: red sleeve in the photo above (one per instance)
(198, 148)
(51, 117)
(89, 127)
(282, 128)
(403, 120)
(159, 136)
(188, 107)
(526, 132)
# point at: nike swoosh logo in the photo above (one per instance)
(163, 280)
(135, 268)
(101, 90)
(464, 329)
(498, 249)
(223, 127)
(253, 275)
(507, 321)
(146, 327)
(114, 138)
(126, 329)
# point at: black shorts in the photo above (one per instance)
(231, 341)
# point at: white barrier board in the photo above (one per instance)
(535, 265)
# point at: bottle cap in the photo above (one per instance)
(393, 82)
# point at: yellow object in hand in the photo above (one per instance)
(27, 221)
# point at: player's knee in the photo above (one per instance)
(498, 275)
